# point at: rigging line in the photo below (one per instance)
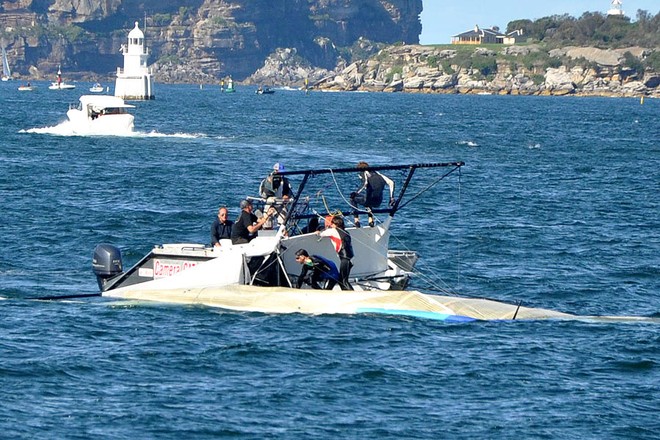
(341, 194)
(427, 188)
(460, 235)
(434, 282)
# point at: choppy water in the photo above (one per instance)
(558, 207)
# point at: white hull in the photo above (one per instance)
(317, 302)
(61, 86)
(101, 115)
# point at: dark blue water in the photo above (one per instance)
(558, 207)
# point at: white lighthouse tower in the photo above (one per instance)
(616, 9)
(134, 81)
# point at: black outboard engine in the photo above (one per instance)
(106, 263)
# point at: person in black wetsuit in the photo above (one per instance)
(370, 194)
(247, 224)
(316, 269)
(221, 227)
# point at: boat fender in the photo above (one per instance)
(106, 263)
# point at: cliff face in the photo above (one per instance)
(195, 40)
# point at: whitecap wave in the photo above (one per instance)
(468, 143)
(67, 129)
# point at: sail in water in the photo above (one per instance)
(6, 71)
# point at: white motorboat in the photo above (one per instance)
(102, 115)
(26, 87)
(96, 88)
(59, 84)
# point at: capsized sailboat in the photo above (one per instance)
(260, 276)
(6, 71)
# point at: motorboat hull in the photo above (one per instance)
(105, 125)
(61, 86)
(101, 115)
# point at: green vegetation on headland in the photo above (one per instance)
(591, 55)
(592, 29)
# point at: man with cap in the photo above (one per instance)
(247, 224)
(275, 186)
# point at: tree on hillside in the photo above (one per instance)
(592, 29)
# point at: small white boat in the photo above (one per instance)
(264, 91)
(26, 88)
(6, 71)
(101, 115)
(59, 84)
(96, 88)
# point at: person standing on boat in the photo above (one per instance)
(341, 240)
(316, 269)
(370, 194)
(247, 225)
(221, 228)
(278, 187)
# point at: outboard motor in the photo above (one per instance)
(106, 263)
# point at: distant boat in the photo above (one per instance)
(230, 86)
(101, 115)
(6, 71)
(26, 87)
(264, 91)
(96, 88)
(58, 84)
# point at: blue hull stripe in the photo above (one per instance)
(418, 314)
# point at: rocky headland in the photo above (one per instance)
(348, 45)
(510, 70)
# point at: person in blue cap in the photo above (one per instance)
(276, 189)
(275, 185)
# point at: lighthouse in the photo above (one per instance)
(134, 81)
(616, 9)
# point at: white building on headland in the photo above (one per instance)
(134, 81)
(616, 8)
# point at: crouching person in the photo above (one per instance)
(316, 269)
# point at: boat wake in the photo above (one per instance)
(68, 129)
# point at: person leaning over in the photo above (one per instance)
(247, 224)
(221, 227)
(341, 240)
(316, 269)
